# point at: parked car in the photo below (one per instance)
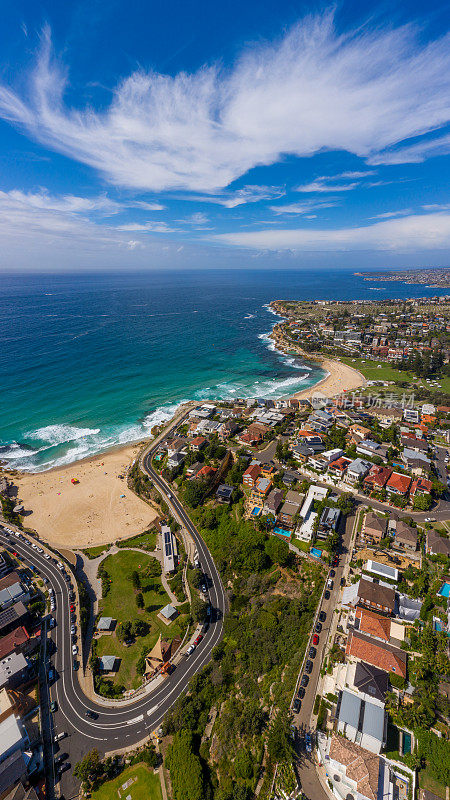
(53, 706)
(330, 583)
(315, 639)
(332, 573)
(190, 649)
(198, 639)
(73, 629)
(91, 714)
(327, 595)
(305, 680)
(301, 692)
(75, 665)
(296, 705)
(74, 649)
(60, 736)
(318, 627)
(51, 675)
(322, 616)
(308, 743)
(309, 667)
(312, 652)
(64, 767)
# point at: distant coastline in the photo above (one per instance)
(431, 277)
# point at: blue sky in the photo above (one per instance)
(198, 134)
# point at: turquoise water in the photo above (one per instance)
(444, 591)
(282, 532)
(256, 511)
(406, 742)
(92, 361)
(315, 552)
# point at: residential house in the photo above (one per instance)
(175, 445)
(321, 462)
(371, 682)
(169, 549)
(398, 484)
(416, 461)
(369, 448)
(290, 478)
(412, 443)
(357, 433)
(261, 489)
(373, 651)
(198, 443)
(420, 486)
(206, 472)
(268, 470)
(273, 502)
(18, 641)
(11, 617)
(386, 416)
(251, 475)
(437, 545)
(377, 477)
(224, 493)
(328, 522)
(361, 721)
(287, 513)
(193, 469)
(375, 527)
(254, 434)
(360, 771)
(175, 460)
(357, 470)
(228, 429)
(302, 452)
(376, 596)
(411, 415)
(338, 468)
(14, 670)
(374, 624)
(405, 536)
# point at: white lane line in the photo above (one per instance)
(136, 719)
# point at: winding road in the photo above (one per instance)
(117, 726)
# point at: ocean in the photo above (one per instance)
(92, 361)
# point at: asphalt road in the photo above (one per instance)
(118, 726)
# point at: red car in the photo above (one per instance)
(198, 640)
(335, 562)
(72, 607)
(315, 639)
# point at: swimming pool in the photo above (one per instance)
(406, 746)
(444, 591)
(256, 511)
(315, 552)
(282, 532)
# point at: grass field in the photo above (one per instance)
(145, 785)
(145, 541)
(95, 552)
(377, 370)
(426, 781)
(120, 603)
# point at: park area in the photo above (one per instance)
(133, 595)
(137, 782)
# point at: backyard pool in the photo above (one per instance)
(444, 591)
(282, 532)
(256, 511)
(315, 552)
(406, 746)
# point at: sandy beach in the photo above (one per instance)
(340, 378)
(97, 510)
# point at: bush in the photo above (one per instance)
(140, 600)
(396, 680)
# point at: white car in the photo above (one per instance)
(47, 556)
(73, 629)
(190, 649)
(74, 649)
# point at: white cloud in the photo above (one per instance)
(146, 206)
(402, 212)
(197, 220)
(301, 208)
(415, 232)
(65, 204)
(331, 183)
(145, 227)
(414, 153)
(311, 90)
(248, 194)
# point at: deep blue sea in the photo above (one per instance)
(89, 361)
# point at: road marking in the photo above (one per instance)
(136, 719)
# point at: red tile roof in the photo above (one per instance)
(400, 483)
(373, 623)
(381, 655)
(253, 472)
(13, 641)
(205, 471)
(378, 476)
(421, 485)
(360, 765)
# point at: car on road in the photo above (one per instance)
(309, 667)
(73, 629)
(64, 767)
(308, 743)
(305, 680)
(204, 589)
(51, 622)
(60, 736)
(53, 706)
(322, 616)
(198, 639)
(312, 652)
(318, 627)
(327, 595)
(72, 608)
(190, 649)
(301, 692)
(75, 664)
(332, 573)
(74, 649)
(51, 675)
(427, 519)
(91, 714)
(296, 705)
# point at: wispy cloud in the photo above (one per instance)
(414, 153)
(302, 208)
(240, 197)
(333, 183)
(402, 212)
(411, 233)
(311, 90)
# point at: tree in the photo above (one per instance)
(198, 609)
(277, 551)
(185, 768)
(346, 503)
(194, 493)
(140, 600)
(89, 768)
(422, 502)
(135, 579)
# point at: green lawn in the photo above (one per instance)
(377, 370)
(120, 603)
(95, 552)
(145, 541)
(426, 781)
(146, 785)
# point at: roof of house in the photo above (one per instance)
(361, 766)
(378, 475)
(340, 463)
(199, 440)
(375, 522)
(290, 509)
(404, 533)
(253, 471)
(169, 611)
(224, 491)
(380, 654)
(12, 614)
(263, 484)
(373, 623)
(9, 580)
(371, 680)
(105, 623)
(12, 641)
(359, 466)
(438, 544)
(274, 498)
(362, 715)
(11, 769)
(421, 483)
(294, 497)
(376, 593)
(205, 471)
(399, 482)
